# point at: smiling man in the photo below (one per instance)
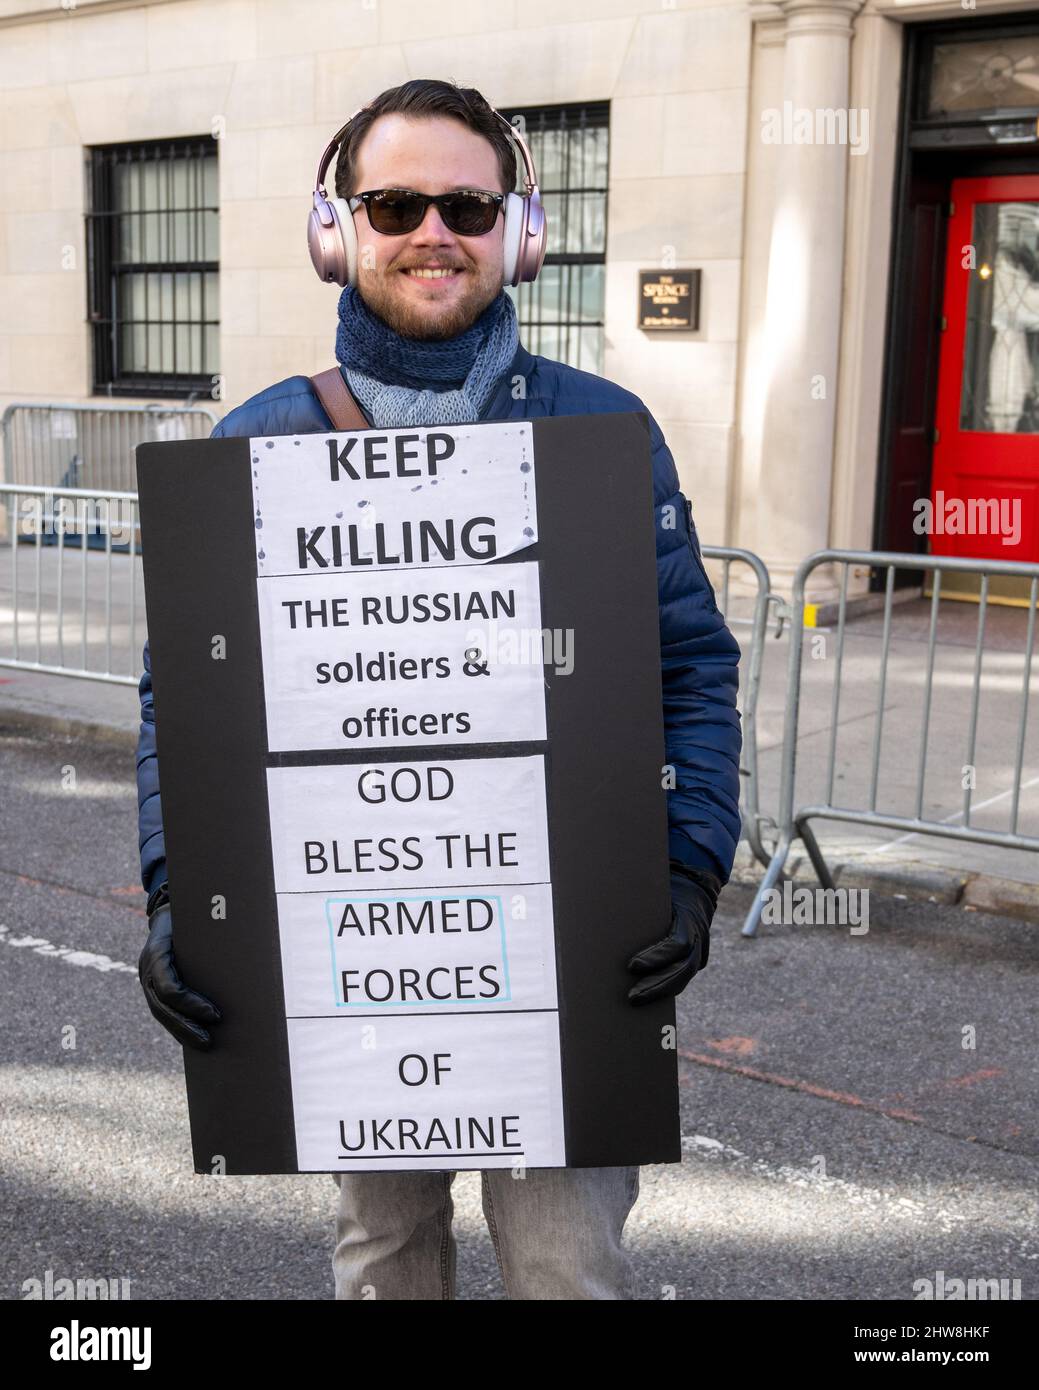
(427, 335)
(430, 284)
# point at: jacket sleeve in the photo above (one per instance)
(699, 659)
(150, 837)
(151, 840)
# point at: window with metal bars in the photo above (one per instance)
(563, 313)
(153, 267)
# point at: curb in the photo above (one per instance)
(1002, 897)
(828, 612)
(1012, 899)
(30, 721)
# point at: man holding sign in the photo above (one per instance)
(423, 235)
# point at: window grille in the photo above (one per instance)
(563, 313)
(153, 267)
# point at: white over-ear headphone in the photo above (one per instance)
(332, 236)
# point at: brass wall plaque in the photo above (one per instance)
(669, 300)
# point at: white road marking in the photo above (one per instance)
(854, 1193)
(69, 954)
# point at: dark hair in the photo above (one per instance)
(424, 96)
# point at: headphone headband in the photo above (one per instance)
(330, 150)
(530, 180)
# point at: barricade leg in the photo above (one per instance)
(773, 874)
(811, 844)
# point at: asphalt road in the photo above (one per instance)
(841, 1141)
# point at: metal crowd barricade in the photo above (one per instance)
(70, 618)
(60, 460)
(758, 622)
(89, 446)
(40, 515)
(795, 824)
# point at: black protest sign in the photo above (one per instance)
(409, 726)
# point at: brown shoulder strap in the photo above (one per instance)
(338, 401)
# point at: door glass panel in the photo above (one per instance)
(1001, 353)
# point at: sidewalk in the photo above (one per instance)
(983, 876)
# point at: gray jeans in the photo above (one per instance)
(556, 1232)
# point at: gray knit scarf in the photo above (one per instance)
(387, 372)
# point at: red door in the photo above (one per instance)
(985, 473)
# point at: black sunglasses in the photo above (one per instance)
(396, 211)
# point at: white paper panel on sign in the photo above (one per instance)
(444, 1092)
(490, 948)
(453, 495)
(463, 822)
(379, 660)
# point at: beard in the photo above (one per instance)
(387, 298)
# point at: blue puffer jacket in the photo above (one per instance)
(699, 655)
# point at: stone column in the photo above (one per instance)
(809, 137)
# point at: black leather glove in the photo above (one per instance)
(668, 966)
(180, 1010)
